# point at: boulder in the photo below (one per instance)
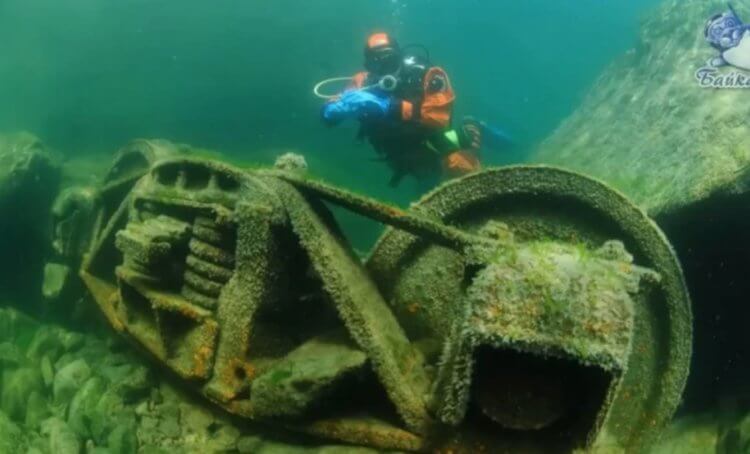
(73, 341)
(123, 440)
(249, 444)
(305, 376)
(37, 411)
(29, 180)
(61, 439)
(649, 129)
(69, 379)
(48, 372)
(224, 439)
(29, 177)
(16, 327)
(18, 386)
(195, 419)
(10, 356)
(112, 405)
(11, 437)
(169, 421)
(45, 342)
(56, 278)
(136, 383)
(82, 409)
(63, 361)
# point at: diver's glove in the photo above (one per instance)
(359, 104)
(489, 136)
(369, 104)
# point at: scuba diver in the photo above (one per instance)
(405, 108)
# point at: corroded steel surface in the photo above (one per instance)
(242, 284)
(564, 214)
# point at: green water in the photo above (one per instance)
(604, 88)
(88, 75)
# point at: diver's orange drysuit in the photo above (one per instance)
(416, 138)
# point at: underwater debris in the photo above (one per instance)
(530, 208)
(230, 278)
(25, 162)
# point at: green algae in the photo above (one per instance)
(647, 128)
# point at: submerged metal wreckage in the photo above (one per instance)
(520, 309)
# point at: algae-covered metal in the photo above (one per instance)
(679, 147)
(504, 313)
(542, 298)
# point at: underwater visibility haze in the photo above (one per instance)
(374, 226)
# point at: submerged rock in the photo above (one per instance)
(12, 439)
(248, 445)
(195, 419)
(224, 439)
(61, 439)
(649, 129)
(123, 440)
(69, 379)
(682, 152)
(10, 355)
(56, 277)
(28, 174)
(18, 386)
(45, 342)
(113, 409)
(82, 410)
(37, 410)
(135, 384)
(17, 328)
(29, 180)
(302, 378)
(102, 400)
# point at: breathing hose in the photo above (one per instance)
(386, 83)
(322, 83)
